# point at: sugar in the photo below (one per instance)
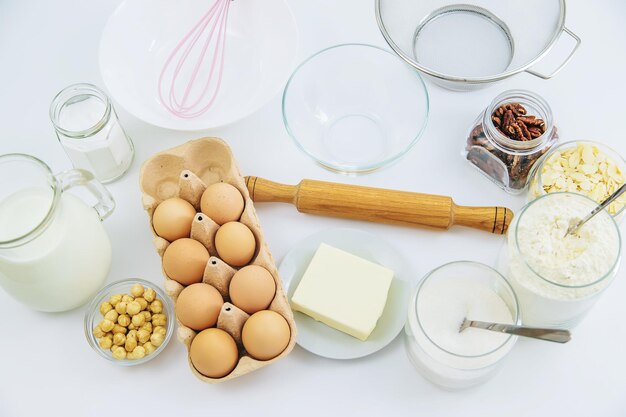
(442, 306)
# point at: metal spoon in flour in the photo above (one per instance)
(576, 224)
(552, 335)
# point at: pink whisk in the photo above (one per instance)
(179, 79)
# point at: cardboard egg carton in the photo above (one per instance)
(185, 171)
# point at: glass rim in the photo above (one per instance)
(538, 168)
(63, 96)
(56, 189)
(506, 144)
(549, 281)
(354, 168)
(516, 319)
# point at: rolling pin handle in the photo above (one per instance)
(263, 191)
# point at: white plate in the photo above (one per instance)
(261, 48)
(325, 341)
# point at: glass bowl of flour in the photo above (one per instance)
(558, 278)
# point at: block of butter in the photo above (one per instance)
(343, 291)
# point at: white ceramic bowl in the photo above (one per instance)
(260, 54)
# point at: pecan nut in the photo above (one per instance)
(514, 122)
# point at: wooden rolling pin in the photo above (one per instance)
(379, 205)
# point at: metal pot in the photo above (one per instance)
(469, 46)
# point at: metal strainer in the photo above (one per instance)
(467, 46)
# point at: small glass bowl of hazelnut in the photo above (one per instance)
(129, 322)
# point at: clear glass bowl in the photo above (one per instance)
(536, 181)
(354, 108)
(559, 292)
(93, 317)
(437, 362)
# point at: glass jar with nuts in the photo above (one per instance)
(509, 136)
(129, 322)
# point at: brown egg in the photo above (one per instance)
(214, 353)
(252, 288)
(198, 306)
(235, 243)
(265, 335)
(222, 202)
(172, 219)
(184, 261)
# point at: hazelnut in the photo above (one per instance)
(133, 308)
(115, 299)
(106, 325)
(119, 329)
(98, 332)
(121, 307)
(149, 347)
(105, 343)
(111, 315)
(138, 320)
(149, 295)
(105, 307)
(157, 339)
(147, 316)
(119, 339)
(137, 353)
(143, 336)
(159, 319)
(142, 302)
(119, 352)
(156, 306)
(123, 320)
(131, 343)
(137, 290)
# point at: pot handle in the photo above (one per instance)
(560, 67)
(81, 178)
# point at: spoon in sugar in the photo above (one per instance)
(551, 335)
(576, 224)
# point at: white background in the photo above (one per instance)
(46, 366)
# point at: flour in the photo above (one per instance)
(546, 265)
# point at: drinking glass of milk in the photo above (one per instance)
(558, 278)
(54, 251)
(90, 132)
(457, 290)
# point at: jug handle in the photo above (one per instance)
(78, 177)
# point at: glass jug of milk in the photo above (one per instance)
(54, 251)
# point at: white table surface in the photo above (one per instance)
(46, 366)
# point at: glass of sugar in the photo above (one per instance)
(558, 278)
(89, 131)
(447, 295)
